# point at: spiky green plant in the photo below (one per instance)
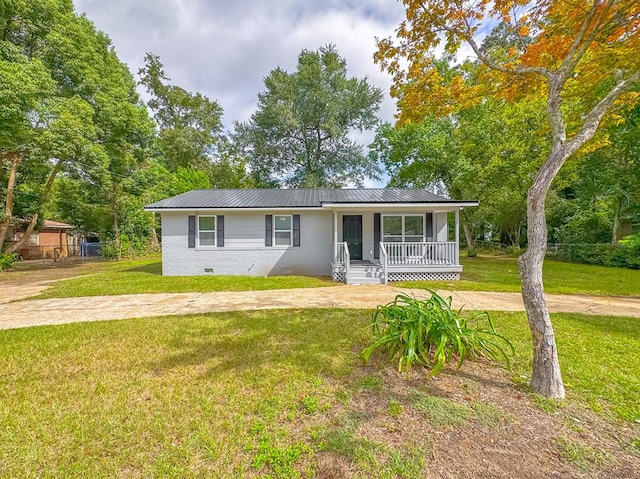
(430, 332)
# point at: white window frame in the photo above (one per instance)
(214, 231)
(403, 235)
(290, 231)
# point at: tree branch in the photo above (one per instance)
(554, 113)
(594, 118)
(579, 47)
(468, 37)
(44, 197)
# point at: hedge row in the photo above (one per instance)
(618, 255)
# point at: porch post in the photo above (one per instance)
(457, 237)
(335, 235)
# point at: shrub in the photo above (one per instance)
(7, 260)
(626, 255)
(429, 332)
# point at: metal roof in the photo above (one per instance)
(295, 198)
(56, 225)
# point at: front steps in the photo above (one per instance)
(365, 272)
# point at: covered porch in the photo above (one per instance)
(396, 244)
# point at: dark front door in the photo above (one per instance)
(352, 234)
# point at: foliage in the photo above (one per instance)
(190, 124)
(300, 134)
(69, 108)
(7, 260)
(128, 247)
(613, 255)
(632, 240)
(429, 332)
(487, 152)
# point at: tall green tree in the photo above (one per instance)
(69, 107)
(607, 181)
(190, 132)
(300, 135)
(476, 153)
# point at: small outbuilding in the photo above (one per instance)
(53, 240)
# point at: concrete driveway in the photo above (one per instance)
(100, 308)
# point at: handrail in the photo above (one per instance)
(384, 261)
(347, 261)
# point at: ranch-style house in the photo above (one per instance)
(355, 235)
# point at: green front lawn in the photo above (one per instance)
(495, 273)
(279, 393)
(480, 274)
(145, 276)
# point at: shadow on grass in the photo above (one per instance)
(266, 344)
(151, 268)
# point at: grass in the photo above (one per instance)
(145, 276)
(599, 357)
(584, 457)
(495, 273)
(480, 274)
(200, 396)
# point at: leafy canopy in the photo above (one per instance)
(300, 135)
(578, 48)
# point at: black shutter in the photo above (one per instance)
(376, 236)
(429, 219)
(296, 230)
(192, 231)
(268, 230)
(220, 231)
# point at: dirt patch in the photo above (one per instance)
(493, 430)
(30, 278)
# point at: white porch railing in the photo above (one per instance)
(384, 261)
(421, 253)
(343, 258)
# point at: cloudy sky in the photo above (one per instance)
(225, 48)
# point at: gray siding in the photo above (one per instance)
(244, 252)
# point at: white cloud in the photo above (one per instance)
(225, 49)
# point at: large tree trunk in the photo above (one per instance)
(8, 206)
(44, 197)
(546, 378)
(615, 236)
(471, 244)
(15, 247)
(154, 232)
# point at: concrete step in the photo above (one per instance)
(362, 270)
(364, 280)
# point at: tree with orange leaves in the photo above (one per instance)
(582, 55)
